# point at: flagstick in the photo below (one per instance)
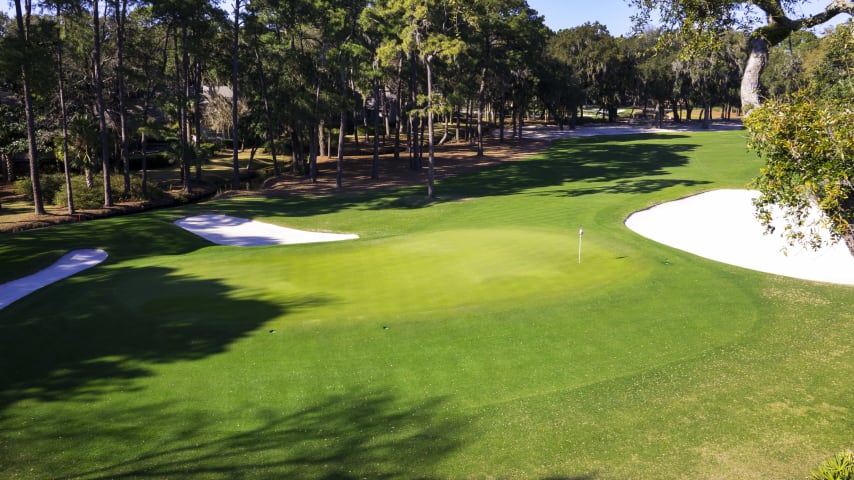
(580, 236)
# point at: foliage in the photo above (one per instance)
(807, 140)
(596, 62)
(51, 185)
(838, 467)
(834, 75)
(808, 146)
(53, 190)
(789, 64)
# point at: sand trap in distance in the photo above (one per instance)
(70, 263)
(241, 232)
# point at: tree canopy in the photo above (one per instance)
(699, 23)
(180, 78)
(807, 141)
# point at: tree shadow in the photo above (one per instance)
(357, 434)
(628, 160)
(95, 333)
(587, 160)
(131, 236)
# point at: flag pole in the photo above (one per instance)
(580, 236)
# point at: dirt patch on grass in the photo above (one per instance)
(450, 160)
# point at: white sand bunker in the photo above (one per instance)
(720, 225)
(240, 232)
(71, 263)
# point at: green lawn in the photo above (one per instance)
(455, 339)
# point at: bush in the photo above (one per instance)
(24, 187)
(53, 190)
(839, 467)
(85, 197)
(52, 186)
(206, 150)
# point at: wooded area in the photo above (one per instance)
(112, 88)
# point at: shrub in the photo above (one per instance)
(52, 186)
(24, 187)
(838, 467)
(206, 150)
(94, 197)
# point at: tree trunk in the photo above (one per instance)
(430, 156)
(102, 116)
(184, 82)
(235, 180)
(144, 165)
(296, 168)
(481, 94)
(197, 118)
(447, 129)
(339, 166)
(64, 115)
(23, 35)
(399, 114)
(375, 166)
(385, 116)
(312, 158)
(756, 62)
(414, 154)
(320, 139)
(121, 15)
(8, 168)
(313, 151)
(501, 113)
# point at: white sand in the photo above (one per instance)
(240, 232)
(721, 225)
(71, 263)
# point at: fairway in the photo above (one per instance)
(459, 338)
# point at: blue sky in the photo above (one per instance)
(615, 14)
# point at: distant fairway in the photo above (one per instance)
(455, 339)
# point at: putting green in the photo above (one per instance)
(414, 273)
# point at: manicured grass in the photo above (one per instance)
(455, 339)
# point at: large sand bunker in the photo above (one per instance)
(721, 225)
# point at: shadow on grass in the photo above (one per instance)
(80, 343)
(614, 165)
(131, 236)
(358, 434)
(620, 164)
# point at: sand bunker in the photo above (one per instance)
(720, 225)
(240, 232)
(71, 263)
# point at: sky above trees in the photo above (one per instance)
(559, 14)
(616, 14)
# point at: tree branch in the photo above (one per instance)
(835, 8)
(774, 10)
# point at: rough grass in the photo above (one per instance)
(456, 339)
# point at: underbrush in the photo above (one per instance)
(53, 190)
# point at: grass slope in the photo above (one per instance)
(455, 339)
